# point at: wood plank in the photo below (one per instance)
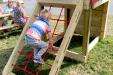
(66, 17)
(11, 73)
(70, 54)
(104, 20)
(86, 4)
(67, 37)
(12, 60)
(86, 35)
(93, 43)
(75, 56)
(8, 27)
(4, 15)
(100, 2)
(57, 3)
(66, 3)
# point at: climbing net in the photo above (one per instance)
(25, 65)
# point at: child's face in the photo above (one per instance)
(10, 3)
(19, 4)
(22, 4)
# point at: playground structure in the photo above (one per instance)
(81, 17)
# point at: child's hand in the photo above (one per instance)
(51, 42)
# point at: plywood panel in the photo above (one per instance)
(96, 21)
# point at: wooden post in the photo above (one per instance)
(86, 36)
(66, 17)
(104, 21)
(65, 43)
(68, 12)
(12, 60)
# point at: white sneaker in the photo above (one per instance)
(40, 61)
(35, 61)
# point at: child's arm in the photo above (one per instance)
(22, 11)
(50, 38)
(51, 42)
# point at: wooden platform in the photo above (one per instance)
(70, 3)
(4, 15)
(8, 27)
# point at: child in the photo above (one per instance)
(34, 34)
(9, 6)
(18, 13)
(1, 19)
(8, 10)
(1, 10)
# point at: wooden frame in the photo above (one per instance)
(69, 32)
(93, 43)
(57, 3)
(4, 15)
(104, 21)
(8, 27)
(100, 2)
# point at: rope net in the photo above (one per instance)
(29, 56)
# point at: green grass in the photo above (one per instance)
(100, 61)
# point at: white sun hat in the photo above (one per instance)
(21, 1)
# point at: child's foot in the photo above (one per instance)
(40, 61)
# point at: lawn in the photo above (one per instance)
(100, 61)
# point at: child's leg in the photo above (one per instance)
(35, 52)
(43, 48)
(38, 55)
(40, 47)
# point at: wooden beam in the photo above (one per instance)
(86, 35)
(93, 43)
(67, 37)
(104, 20)
(70, 54)
(60, 3)
(4, 15)
(77, 34)
(8, 27)
(98, 3)
(75, 56)
(12, 60)
(11, 73)
(66, 3)
(66, 17)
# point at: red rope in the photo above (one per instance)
(54, 31)
(23, 69)
(57, 21)
(54, 19)
(60, 20)
(30, 56)
(38, 72)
